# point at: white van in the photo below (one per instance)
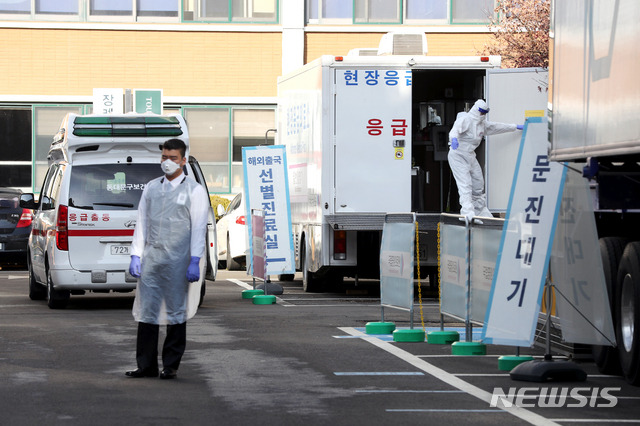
(84, 220)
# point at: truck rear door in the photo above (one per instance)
(372, 130)
(512, 94)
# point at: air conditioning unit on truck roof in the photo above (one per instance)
(403, 43)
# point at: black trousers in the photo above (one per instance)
(172, 349)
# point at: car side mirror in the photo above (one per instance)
(220, 210)
(28, 201)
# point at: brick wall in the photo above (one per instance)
(73, 62)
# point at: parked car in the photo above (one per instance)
(232, 235)
(15, 227)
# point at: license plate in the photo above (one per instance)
(124, 250)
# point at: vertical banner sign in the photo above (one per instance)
(267, 188)
(576, 269)
(147, 100)
(257, 243)
(525, 247)
(396, 264)
(108, 101)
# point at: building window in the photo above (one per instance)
(217, 136)
(231, 10)
(209, 144)
(47, 120)
(57, 7)
(167, 8)
(15, 6)
(329, 11)
(411, 12)
(436, 11)
(377, 12)
(15, 144)
(249, 129)
(111, 8)
(471, 11)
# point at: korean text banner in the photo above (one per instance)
(576, 268)
(396, 264)
(267, 188)
(525, 247)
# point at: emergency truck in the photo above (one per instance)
(368, 135)
(86, 213)
(593, 116)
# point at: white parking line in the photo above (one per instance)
(378, 373)
(405, 391)
(600, 421)
(448, 378)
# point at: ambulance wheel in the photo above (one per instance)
(627, 313)
(232, 265)
(56, 299)
(203, 290)
(36, 291)
(611, 248)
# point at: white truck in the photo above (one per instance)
(593, 115)
(368, 135)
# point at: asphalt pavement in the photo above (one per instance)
(303, 360)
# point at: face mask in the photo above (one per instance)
(169, 167)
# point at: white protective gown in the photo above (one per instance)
(469, 128)
(171, 228)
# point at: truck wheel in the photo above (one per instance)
(36, 291)
(56, 299)
(310, 282)
(286, 277)
(232, 265)
(611, 248)
(627, 313)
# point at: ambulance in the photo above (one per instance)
(86, 213)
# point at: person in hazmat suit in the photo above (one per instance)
(465, 136)
(168, 243)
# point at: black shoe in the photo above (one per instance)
(142, 372)
(168, 373)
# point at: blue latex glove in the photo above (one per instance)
(193, 271)
(135, 266)
(520, 126)
(454, 143)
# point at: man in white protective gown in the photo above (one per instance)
(168, 243)
(465, 136)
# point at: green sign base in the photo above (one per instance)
(509, 362)
(411, 335)
(468, 348)
(379, 327)
(265, 299)
(248, 294)
(443, 337)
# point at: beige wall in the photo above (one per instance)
(68, 62)
(73, 62)
(442, 44)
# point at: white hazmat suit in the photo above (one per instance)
(465, 136)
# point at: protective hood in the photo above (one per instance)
(475, 110)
